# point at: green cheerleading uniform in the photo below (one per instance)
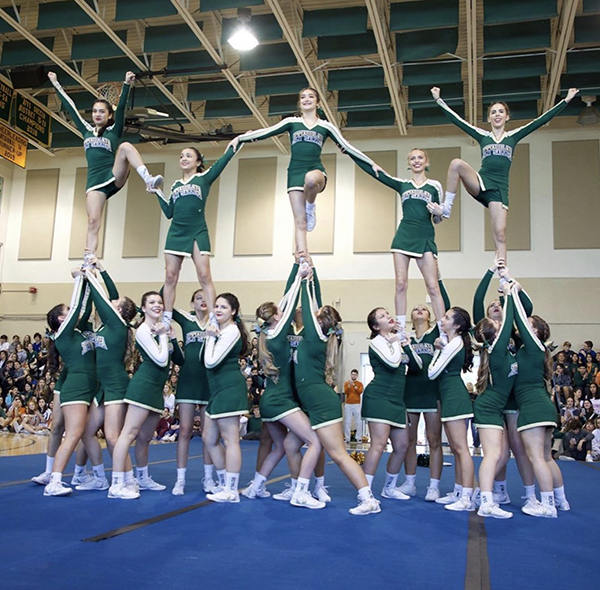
(186, 208)
(100, 151)
(497, 154)
(77, 352)
(227, 386)
(446, 366)
(320, 400)
(415, 234)
(383, 398)
(58, 385)
(277, 400)
(490, 404)
(192, 386)
(306, 146)
(534, 403)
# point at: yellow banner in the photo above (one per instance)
(13, 147)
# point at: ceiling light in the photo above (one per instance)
(589, 115)
(243, 39)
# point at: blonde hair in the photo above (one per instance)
(418, 149)
(265, 312)
(329, 318)
(485, 333)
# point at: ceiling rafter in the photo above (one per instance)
(140, 64)
(566, 20)
(472, 78)
(229, 75)
(383, 43)
(290, 34)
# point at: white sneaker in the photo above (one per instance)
(432, 494)
(286, 495)
(305, 500)
(321, 494)
(123, 491)
(94, 484)
(461, 505)
(494, 511)
(253, 493)
(370, 506)
(210, 486)
(449, 498)
(155, 183)
(529, 502)
(132, 484)
(81, 478)
(562, 504)
(179, 488)
(565, 458)
(225, 496)
(147, 483)
(394, 494)
(410, 489)
(539, 509)
(501, 497)
(311, 217)
(43, 479)
(57, 488)
(589, 458)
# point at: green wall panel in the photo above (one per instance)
(18, 53)
(584, 62)
(276, 55)
(371, 98)
(508, 90)
(211, 91)
(515, 36)
(425, 44)
(113, 70)
(425, 14)
(340, 21)
(206, 5)
(170, 38)
(346, 45)
(500, 11)
(347, 79)
(286, 104)
(419, 97)
(434, 116)
(514, 67)
(55, 15)
(269, 85)
(587, 28)
(226, 108)
(376, 118)
(4, 26)
(434, 73)
(137, 9)
(96, 45)
(189, 59)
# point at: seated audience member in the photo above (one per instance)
(577, 442)
(163, 424)
(588, 346)
(254, 424)
(596, 441)
(560, 377)
(568, 412)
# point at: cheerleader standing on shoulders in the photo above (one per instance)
(144, 399)
(107, 158)
(383, 404)
(224, 347)
(447, 365)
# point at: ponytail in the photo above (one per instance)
(462, 321)
(265, 312)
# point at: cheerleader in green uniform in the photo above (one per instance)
(107, 158)
(497, 372)
(223, 348)
(314, 378)
(489, 186)
(448, 363)
(192, 389)
(512, 442)
(144, 400)
(80, 384)
(383, 405)
(537, 413)
(415, 236)
(188, 233)
(279, 409)
(306, 175)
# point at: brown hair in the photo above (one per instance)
(265, 312)
(485, 333)
(53, 323)
(372, 322)
(542, 330)
(234, 302)
(111, 115)
(199, 157)
(462, 320)
(506, 107)
(312, 90)
(329, 318)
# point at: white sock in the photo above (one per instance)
(411, 479)
(55, 477)
(401, 319)
(208, 471)
(365, 494)
(143, 172)
(79, 469)
(221, 476)
(458, 489)
(487, 498)
(500, 487)
(302, 485)
(181, 473)
(258, 480)
(547, 498)
(49, 464)
(142, 472)
(117, 477)
(167, 317)
(232, 481)
(434, 483)
(390, 480)
(98, 471)
(559, 493)
(128, 475)
(447, 204)
(467, 493)
(369, 479)
(293, 483)
(320, 482)
(310, 206)
(530, 492)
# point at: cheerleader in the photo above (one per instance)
(383, 405)
(415, 236)
(188, 233)
(306, 175)
(317, 359)
(107, 158)
(537, 413)
(224, 347)
(497, 372)
(144, 401)
(489, 186)
(448, 363)
(192, 389)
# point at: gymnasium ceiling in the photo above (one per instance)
(374, 60)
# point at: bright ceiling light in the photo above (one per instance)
(589, 115)
(243, 39)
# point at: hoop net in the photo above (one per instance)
(111, 93)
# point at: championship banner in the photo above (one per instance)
(6, 98)
(13, 147)
(32, 120)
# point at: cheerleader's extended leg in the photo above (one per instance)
(95, 420)
(298, 203)
(173, 264)
(229, 429)
(314, 183)
(492, 443)
(141, 449)
(202, 264)
(498, 217)
(401, 262)
(429, 269)
(94, 202)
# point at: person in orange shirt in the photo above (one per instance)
(352, 391)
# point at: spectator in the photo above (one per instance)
(566, 350)
(587, 411)
(4, 342)
(582, 379)
(560, 377)
(595, 397)
(577, 443)
(568, 412)
(169, 398)
(13, 345)
(37, 343)
(164, 424)
(3, 360)
(353, 389)
(596, 441)
(588, 346)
